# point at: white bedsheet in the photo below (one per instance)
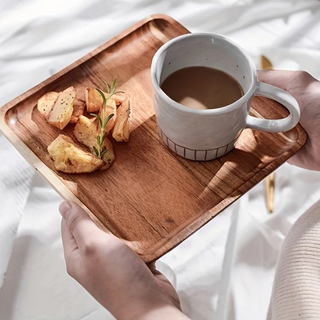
(224, 271)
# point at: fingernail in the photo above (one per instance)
(65, 208)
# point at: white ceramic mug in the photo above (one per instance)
(208, 134)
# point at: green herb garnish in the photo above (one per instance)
(103, 118)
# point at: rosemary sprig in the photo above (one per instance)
(102, 118)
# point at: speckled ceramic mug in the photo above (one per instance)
(208, 134)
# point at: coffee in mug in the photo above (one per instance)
(202, 88)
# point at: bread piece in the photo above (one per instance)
(63, 108)
(69, 157)
(78, 105)
(109, 157)
(46, 103)
(110, 109)
(94, 101)
(86, 131)
(78, 110)
(121, 130)
(119, 98)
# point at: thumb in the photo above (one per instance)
(277, 78)
(81, 227)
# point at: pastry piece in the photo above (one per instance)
(69, 157)
(78, 105)
(63, 108)
(110, 109)
(119, 98)
(121, 130)
(46, 103)
(86, 132)
(94, 100)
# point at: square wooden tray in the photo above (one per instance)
(150, 198)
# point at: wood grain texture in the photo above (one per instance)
(151, 198)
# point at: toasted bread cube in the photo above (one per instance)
(78, 105)
(81, 94)
(69, 157)
(109, 157)
(46, 103)
(94, 100)
(119, 98)
(86, 132)
(63, 108)
(121, 130)
(110, 109)
(78, 110)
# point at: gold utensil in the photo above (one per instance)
(270, 186)
(265, 63)
(270, 180)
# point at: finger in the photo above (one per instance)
(153, 268)
(68, 241)
(79, 224)
(277, 78)
(155, 272)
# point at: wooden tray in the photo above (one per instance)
(151, 198)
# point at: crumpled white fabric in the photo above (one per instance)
(225, 270)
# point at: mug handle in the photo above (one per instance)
(283, 97)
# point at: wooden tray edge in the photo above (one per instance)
(27, 153)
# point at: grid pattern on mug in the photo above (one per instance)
(198, 155)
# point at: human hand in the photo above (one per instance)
(112, 273)
(306, 90)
